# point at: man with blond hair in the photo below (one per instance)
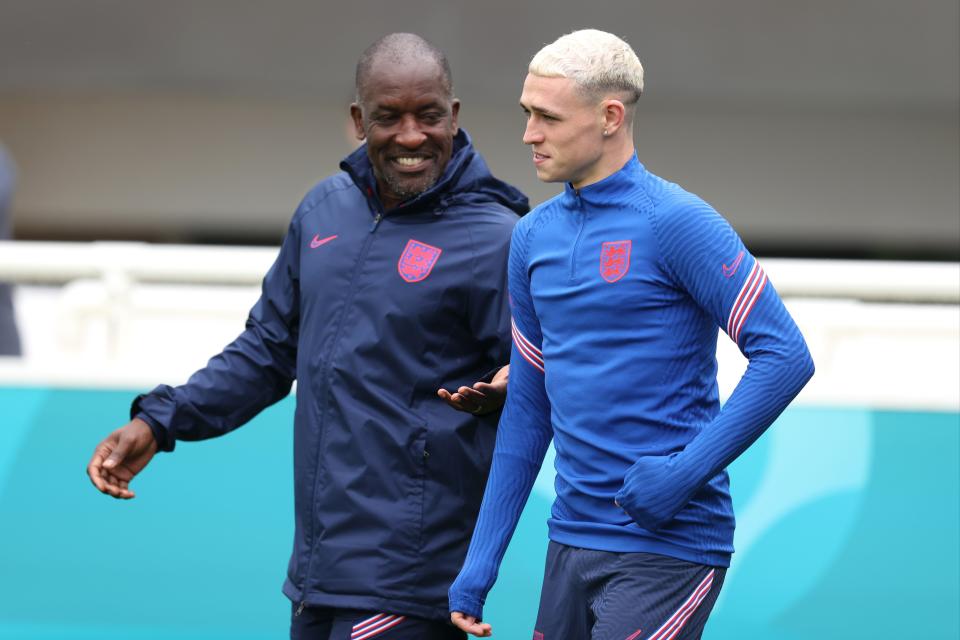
(618, 286)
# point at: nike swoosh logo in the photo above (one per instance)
(316, 242)
(732, 269)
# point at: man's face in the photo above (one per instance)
(564, 130)
(409, 122)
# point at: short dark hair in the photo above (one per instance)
(402, 47)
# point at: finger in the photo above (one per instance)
(121, 483)
(472, 400)
(97, 479)
(117, 486)
(461, 402)
(117, 490)
(127, 491)
(453, 400)
(488, 389)
(480, 629)
(106, 481)
(111, 489)
(472, 393)
(94, 471)
(471, 625)
(111, 482)
(118, 454)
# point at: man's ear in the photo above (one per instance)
(613, 114)
(356, 114)
(455, 113)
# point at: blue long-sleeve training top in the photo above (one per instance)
(617, 292)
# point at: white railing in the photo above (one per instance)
(128, 315)
(59, 262)
(118, 263)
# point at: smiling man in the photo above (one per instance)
(406, 160)
(618, 287)
(390, 283)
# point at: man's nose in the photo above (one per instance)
(531, 134)
(410, 135)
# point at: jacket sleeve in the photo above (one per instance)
(254, 371)
(707, 259)
(487, 309)
(523, 436)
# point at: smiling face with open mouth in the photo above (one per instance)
(408, 119)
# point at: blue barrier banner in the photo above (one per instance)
(848, 522)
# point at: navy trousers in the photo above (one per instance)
(324, 623)
(599, 595)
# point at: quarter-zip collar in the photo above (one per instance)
(610, 189)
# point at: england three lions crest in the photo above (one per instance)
(417, 260)
(615, 259)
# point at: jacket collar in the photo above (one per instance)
(610, 188)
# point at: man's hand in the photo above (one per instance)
(121, 456)
(483, 397)
(655, 489)
(471, 625)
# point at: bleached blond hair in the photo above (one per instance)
(598, 63)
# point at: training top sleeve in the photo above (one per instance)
(522, 440)
(251, 373)
(705, 257)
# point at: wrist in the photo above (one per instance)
(465, 604)
(160, 436)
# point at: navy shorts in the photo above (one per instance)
(324, 623)
(600, 595)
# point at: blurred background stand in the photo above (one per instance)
(9, 336)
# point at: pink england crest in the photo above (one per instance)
(417, 260)
(615, 259)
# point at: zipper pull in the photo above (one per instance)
(376, 221)
(300, 609)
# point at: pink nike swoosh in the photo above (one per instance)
(732, 269)
(316, 242)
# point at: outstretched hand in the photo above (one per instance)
(120, 457)
(482, 397)
(471, 625)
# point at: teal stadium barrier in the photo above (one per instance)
(848, 525)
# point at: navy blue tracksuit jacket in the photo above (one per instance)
(371, 312)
